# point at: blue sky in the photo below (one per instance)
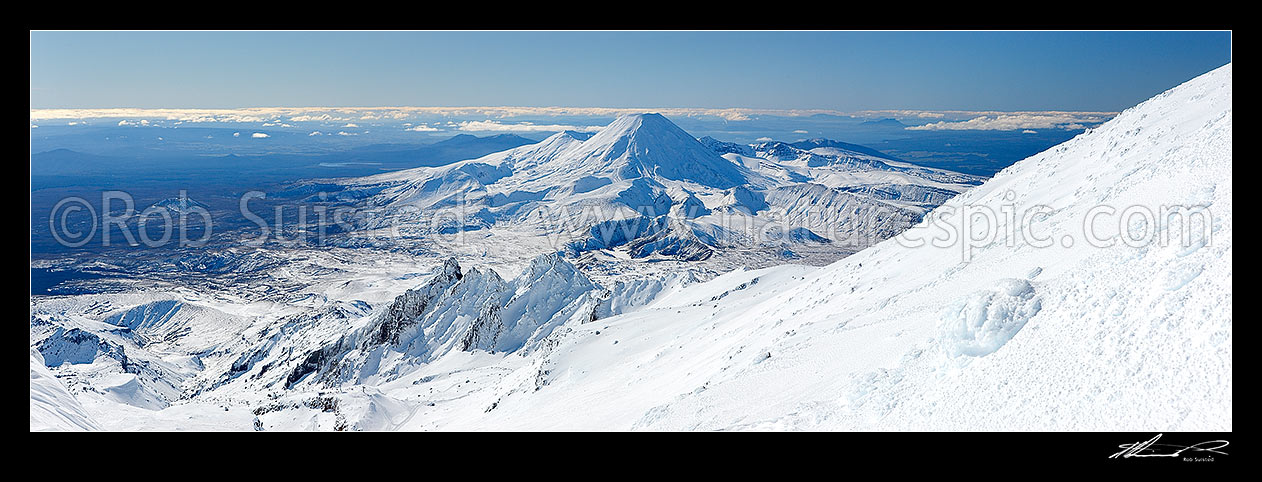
(1087, 71)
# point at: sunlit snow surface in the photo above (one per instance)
(897, 336)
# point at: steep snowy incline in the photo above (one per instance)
(53, 408)
(1035, 328)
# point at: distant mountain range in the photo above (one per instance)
(644, 187)
(883, 123)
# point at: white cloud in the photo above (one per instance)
(763, 139)
(799, 131)
(422, 128)
(493, 126)
(344, 133)
(350, 114)
(315, 118)
(351, 124)
(1018, 121)
(314, 133)
(236, 134)
(903, 113)
(259, 135)
(1027, 131)
(947, 119)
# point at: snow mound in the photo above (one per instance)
(982, 322)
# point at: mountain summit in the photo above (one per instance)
(646, 145)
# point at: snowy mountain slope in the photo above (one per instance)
(474, 310)
(110, 365)
(845, 168)
(144, 350)
(904, 337)
(286, 354)
(650, 145)
(847, 214)
(942, 327)
(53, 408)
(821, 145)
(176, 325)
(452, 310)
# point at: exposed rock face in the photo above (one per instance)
(473, 310)
(404, 311)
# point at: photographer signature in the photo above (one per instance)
(1151, 448)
